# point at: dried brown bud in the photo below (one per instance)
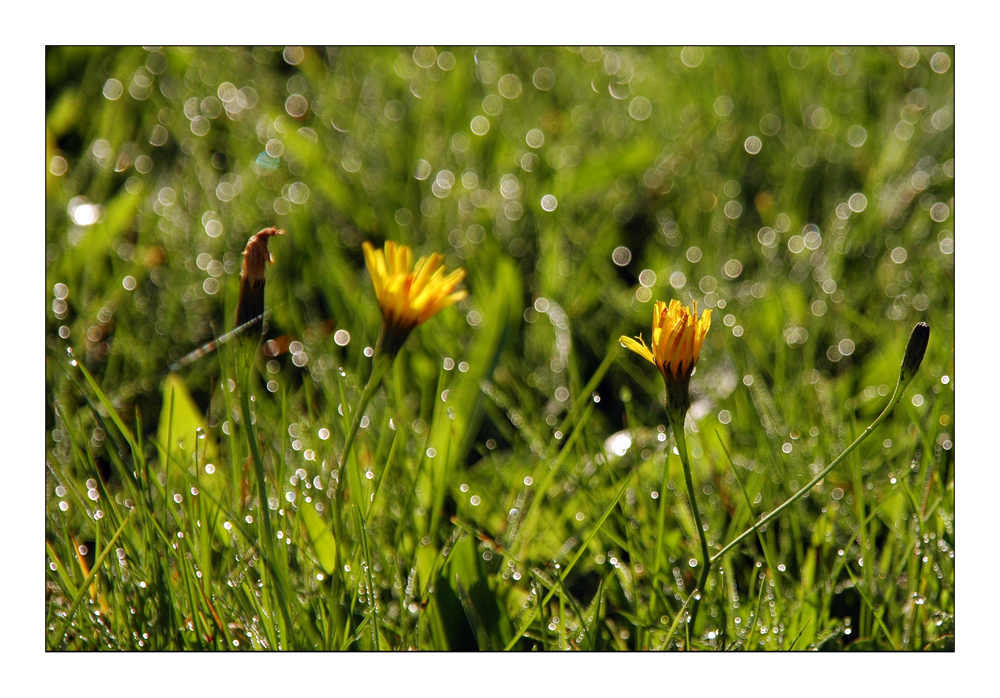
(250, 308)
(914, 353)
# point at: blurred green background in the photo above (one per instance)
(804, 194)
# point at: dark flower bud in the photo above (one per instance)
(250, 307)
(914, 353)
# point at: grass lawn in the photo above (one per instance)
(515, 482)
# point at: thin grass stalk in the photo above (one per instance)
(572, 563)
(661, 518)
(379, 367)
(266, 534)
(84, 587)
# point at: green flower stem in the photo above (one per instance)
(676, 419)
(896, 395)
(379, 368)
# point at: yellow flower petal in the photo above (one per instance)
(677, 338)
(409, 294)
(638, 347)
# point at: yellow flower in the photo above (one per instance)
(408, 294)
(678, 336)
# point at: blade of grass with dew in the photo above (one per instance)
(569, 567)
(61, 631)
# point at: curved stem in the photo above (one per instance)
(896, 395)
(676, 419)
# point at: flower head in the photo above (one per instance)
(250, 307)
(408, 294)
(914, 354)
(678, 335)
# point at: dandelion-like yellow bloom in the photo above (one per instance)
(408, 294)
(678, 336)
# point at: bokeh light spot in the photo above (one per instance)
(421, 169)
(492, 104)
(908, 56)
(723, 105)
(535, 138)
(113, 89)
(940, 212)
(940, 62)
(509, 86)
(274, 148)
(480, 125)
(543, 79)
(200, 125)
(856, 136)
(446, 60)
(770, 124)
(640, 108)
(799, 57)
(58, 166)
(293, 55)
(296, 105)
(621, 256)
(425, 56)
(732, 269)
(692, 56)
(767, 237)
